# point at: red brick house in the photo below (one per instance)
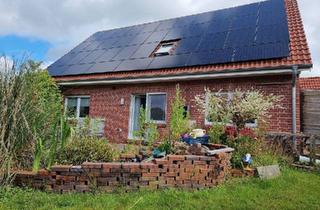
(112, 73)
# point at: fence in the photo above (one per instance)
(311, 112)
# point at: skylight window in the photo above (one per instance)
(165, 48)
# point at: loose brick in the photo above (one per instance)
(58, 168)
(111, 165)
(176, 157)
(91, 165)
(192, 157)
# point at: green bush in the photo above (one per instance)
(179, 122)
(84, 149)
(242, 145)
(216, 132)
(32, 124)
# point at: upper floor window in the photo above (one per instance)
(165, 48)
(77, 106)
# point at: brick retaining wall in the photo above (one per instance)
(173, 171)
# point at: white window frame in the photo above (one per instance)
(230, 96)
(132, 105)
(161, 52)
(78, 105)
(148, 110)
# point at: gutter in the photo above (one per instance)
(294, 107)
(157, 79)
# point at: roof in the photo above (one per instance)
(310, 83)
(278, 41)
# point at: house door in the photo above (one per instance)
(137, 101)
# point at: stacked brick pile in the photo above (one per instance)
(181, 171)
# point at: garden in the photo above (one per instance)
(42, 148)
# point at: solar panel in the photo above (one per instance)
(199, 58)
(241, 37)
(125, 53)
(187, 31)
(202, 18)
(92, 46)
(56, 70)
(140, 38)
(219, 26)
(266, 51)
(150, 27)
(222, 56)
(166, 24)
(272, 34)
(145, 50)
(64, 60)
(213, 41)
(250, 32)
(244, 22)
(188, 45)
(93, 55)
(107, 44)
(104, 67)
(156, 36)
(128, 65)
(77, 69)
(169, 61)
(108, 55)
(79, 57)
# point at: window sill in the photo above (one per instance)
(161, 125)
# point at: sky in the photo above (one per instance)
(47, 29)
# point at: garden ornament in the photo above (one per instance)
(247, 161)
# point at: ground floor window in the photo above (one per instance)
(155, 105)
(227, 99)
(77, 106)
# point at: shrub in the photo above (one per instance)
(242, 108)
(215, 132)
(179, 123)
(31, 117)
(84, 149)
(165, 146)
(242, 145)
(148, 130)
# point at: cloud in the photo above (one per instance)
(66, 23)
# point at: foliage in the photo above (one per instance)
(92, 149)
(84, 145)
(165, 146)
(242, 145)
(216, 132)
(31, 116)
(152, 133)
(283, 192)
(179, 124)
(244, 106)
(147, 130)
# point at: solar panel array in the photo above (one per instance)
(251, 32)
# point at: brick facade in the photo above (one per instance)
(105, 101)
(179, 171)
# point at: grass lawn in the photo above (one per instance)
(293, 190)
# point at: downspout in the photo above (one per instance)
(294, 107)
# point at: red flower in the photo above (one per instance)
(248, 132)
(230, 131)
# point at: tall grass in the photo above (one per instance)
(31, 117)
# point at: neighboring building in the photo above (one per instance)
(112, 73)
(309, 83)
